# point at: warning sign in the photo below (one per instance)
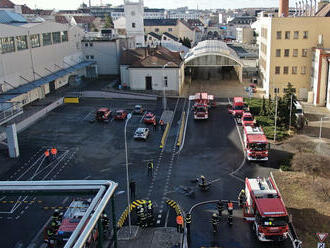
(322, 236)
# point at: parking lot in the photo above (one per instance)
(92, 150)
(86, 151)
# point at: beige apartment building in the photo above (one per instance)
(286, 52)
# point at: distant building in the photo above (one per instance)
(152, 69)
(245, 35)
(242, 20)
(37, 58)
(286, 53)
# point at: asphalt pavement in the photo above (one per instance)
(87, 150)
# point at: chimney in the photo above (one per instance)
(283, 10)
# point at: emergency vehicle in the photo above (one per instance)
(238, 107)
(69, 222)
(264, 207)
(256, 144)
(202, 103)
(247, 119)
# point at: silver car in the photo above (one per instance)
(141, 133)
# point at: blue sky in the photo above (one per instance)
(202, 4)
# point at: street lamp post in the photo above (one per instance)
(129, 116)
(322, 118)
(164, 96)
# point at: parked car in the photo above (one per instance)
(149, 118)
(103, 114)
(120, 114)
(141, 134)
(138, 110)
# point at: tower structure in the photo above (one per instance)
(134, 14)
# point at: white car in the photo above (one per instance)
(141, 133)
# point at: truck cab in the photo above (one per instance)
(202, 103)
(237, 108)
(103, 114)
(247, 119)
(265, 209)
(256, 144)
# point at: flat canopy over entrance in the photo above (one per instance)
(212, 53)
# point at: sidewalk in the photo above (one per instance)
(159, 237)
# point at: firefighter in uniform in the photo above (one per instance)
(161, 122)
(150, 214)
(230, 207)
(150, 166)
(143, 215)
(241, 198)
(215, 221)
(220, 207)
(105, 222)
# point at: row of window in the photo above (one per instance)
(11, 44)
(287, 35)
(295, 52)
(169, 30)
(294, 70)
(89, 57)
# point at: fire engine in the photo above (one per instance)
(256, 144)
(68, 224)
(238, 107)
(247, 119)
(203, 102)
(264, 207)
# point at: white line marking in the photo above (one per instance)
(166, 219)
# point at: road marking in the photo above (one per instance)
(185, 128)
(87, 115)
(166, 218)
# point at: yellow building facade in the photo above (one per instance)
(286, 51)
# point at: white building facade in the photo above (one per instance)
(134, 13)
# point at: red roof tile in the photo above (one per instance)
(61, 19)
(84, 19)
(6, 4)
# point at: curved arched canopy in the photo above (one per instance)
(211, 53)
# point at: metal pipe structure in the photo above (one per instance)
(315, 7)
(303, 8)
(105, 190)
(95, 217)
(300, 9)
(311, 8)
(296, 13)
(81, 224)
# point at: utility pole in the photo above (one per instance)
(275, 129)
(290, 111)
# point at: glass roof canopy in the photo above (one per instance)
(213, 48)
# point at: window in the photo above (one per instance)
(279, 35)
(133, 25)
(278, 52)
(305, 35)
(91, 44)
(164, 38)
(87, 56)
(47, 39)
(165, 81)
(304, 52)
(35, 40)
(170, 29)
(277, 69)
(150, 38)
(296, 35)
(56, 37)
(7, 45)
(21, 42)
(294, 70)
(286, 52)
(295, 53)
(303, 70)
(86, 44)
(156, 29)
(92, 56)
(65, 36)
(286, 70)
(287, 35)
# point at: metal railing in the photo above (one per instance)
(8, 113)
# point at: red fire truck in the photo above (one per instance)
(68, 224)
(256, 144)
(247, 119)
(237, 108)
(202, 103)
(265, 209)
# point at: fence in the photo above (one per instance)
(8, 110)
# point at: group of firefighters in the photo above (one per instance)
(216, 218)
(161, 123)
(145, 214)
(53, 227)
(51, 152)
